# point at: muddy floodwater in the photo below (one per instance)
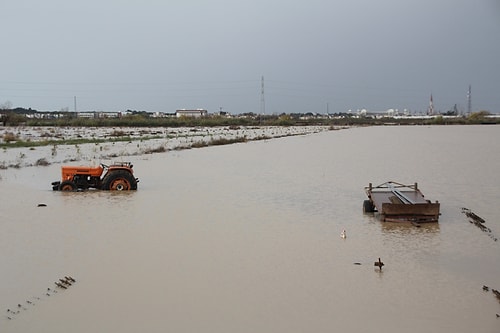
(246, 238)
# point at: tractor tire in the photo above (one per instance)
(119, 180)
(368, 207)
(67, 186)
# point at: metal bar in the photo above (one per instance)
(400, 195)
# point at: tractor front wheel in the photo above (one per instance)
(67, 185)
(119, 180)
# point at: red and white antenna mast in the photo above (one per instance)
(430, 110)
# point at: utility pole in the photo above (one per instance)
(75, 102)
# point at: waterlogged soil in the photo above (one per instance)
(117, 143)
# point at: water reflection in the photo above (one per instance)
(407, 229)
(90, 201)
(403, 228)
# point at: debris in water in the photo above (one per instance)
(64, 283)
(478, 222)
(497, 293)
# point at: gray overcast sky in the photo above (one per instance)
(163, 55)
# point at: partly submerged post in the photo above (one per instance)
(379, 264)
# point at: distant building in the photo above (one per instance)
(86, 115)
(95, 114)
(109, 114)
(191, 113)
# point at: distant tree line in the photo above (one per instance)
(18, 116)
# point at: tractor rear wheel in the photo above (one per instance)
(67, 185)
(119, 180)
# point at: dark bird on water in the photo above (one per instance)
(486, 288)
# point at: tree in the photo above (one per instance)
(478, 116)
(5, 112)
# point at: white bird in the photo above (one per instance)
(343, 234)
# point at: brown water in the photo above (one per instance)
(246, 238)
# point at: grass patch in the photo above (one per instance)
(42, 162)
(10, 137)
(218, 142)
(160, 149)
(76, 141)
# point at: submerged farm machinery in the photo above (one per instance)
(118, 176)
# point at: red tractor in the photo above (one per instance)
(117, 177)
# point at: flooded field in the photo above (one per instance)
(246, 238)
(97, 144)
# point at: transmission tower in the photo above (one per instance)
(469, 100)
(262, 100)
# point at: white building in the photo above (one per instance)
(191, 113)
